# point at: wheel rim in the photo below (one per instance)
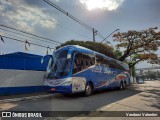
(121, 87)
(124, 85)
(88, 89)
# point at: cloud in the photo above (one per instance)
(55, 0)
(23, 19)
(102, 4)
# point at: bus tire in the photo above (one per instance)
(124, 85)
(121, 86)
(88, 89)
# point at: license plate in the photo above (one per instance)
(52, 89)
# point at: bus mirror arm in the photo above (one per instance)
(42, 59)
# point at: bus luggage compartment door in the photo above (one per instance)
(78, 84)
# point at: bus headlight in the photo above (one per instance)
(67, 83)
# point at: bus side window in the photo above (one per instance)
(82, 64)
(99, 59)
(106, 62)
(84, 61)
(92, 62)
(77, 64)
(89, 63)
(118, 65)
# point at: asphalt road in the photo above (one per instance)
(140, 97)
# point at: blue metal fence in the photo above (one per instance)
(22, 61)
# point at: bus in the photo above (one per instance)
(73, 69)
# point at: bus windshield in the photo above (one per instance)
(60, 65)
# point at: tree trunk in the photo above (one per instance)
(122, 58)
(133, 64)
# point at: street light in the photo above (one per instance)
(109, 35)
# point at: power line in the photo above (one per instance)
(17, 37)
(94, 31)
(24, 41)
(29, 33)
(26, 36)
(48, 19)
(69, 15)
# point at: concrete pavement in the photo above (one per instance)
(139, 97)
(147, 100)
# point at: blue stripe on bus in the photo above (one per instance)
(21, 90)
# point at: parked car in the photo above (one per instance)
(140, 81)
(146, 79)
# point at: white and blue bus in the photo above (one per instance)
(73, 69)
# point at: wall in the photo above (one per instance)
(21, 73)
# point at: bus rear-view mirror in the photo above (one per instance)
(68, 56)
(43, 58)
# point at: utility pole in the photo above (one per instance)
(94, 34)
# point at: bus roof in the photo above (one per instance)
(78, 48)
(86, 50)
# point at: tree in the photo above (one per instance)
(138, 45)
(157, 61)
(96, 46)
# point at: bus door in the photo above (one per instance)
(83, 65)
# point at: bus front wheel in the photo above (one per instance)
(88, 89)
(121, 86)
(124, 85)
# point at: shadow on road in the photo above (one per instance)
(81, 104)
(153, 97)
(75, 102)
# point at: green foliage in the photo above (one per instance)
(96, 46)
(118, 53)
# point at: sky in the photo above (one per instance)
(38, 17)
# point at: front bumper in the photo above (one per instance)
(59, 89)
